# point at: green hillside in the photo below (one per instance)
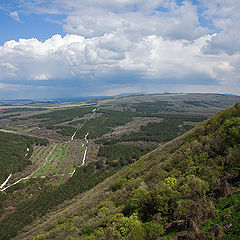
(185, 189)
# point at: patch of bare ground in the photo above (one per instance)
(6, 211)
(59, 162)
(49, 134)
(4, 122)
(37, 150)
(190, 123)
(141, 144)
(114, 108)
(66, 159)
(133, 126)
(70, 162)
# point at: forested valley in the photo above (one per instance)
(138, 170)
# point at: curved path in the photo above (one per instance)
(72, 137)
(6, 181)
(29, 176)
(86, 140)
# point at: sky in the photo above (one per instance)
(76, 48)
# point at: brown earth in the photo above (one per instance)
(133, 126)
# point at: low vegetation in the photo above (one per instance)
(60, 116)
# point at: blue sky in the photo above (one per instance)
(74, 48)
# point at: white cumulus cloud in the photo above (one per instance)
(152, 57)
(123, 44)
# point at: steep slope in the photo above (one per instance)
(168, 194)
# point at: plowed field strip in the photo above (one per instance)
(36, 149)
(53, 161)
(65, 160)
(46, 168)
(69, 163)
(61, 159)
(36, 157)
(63, 173)
(43, 155)
(59, 167)
(73, 160)
(43, 160)
(56, 158)
(78, 158)
(38, 161)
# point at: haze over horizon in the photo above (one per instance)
(52, 49)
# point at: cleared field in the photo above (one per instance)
(57, 161)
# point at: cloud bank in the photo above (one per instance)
(112, 46)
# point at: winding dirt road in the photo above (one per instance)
(29, 176)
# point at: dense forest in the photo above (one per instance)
(153, 107)
(60, 116)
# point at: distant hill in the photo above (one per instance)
(197, 99)
(185, 189)
(21, 102)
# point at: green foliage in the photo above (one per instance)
(64, 130)
(153, 230)
(228, 217)
(170, 181)
(99, 164)
(13, 152)
(120, 226)
(196, 103)
(95, 126)
(25, 109)
(194, 188)
(60, 116)
(121, 155)
(153, 107)
(103, 124)
(137, 201)
(230, 131)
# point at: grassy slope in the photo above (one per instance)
(180, 182)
